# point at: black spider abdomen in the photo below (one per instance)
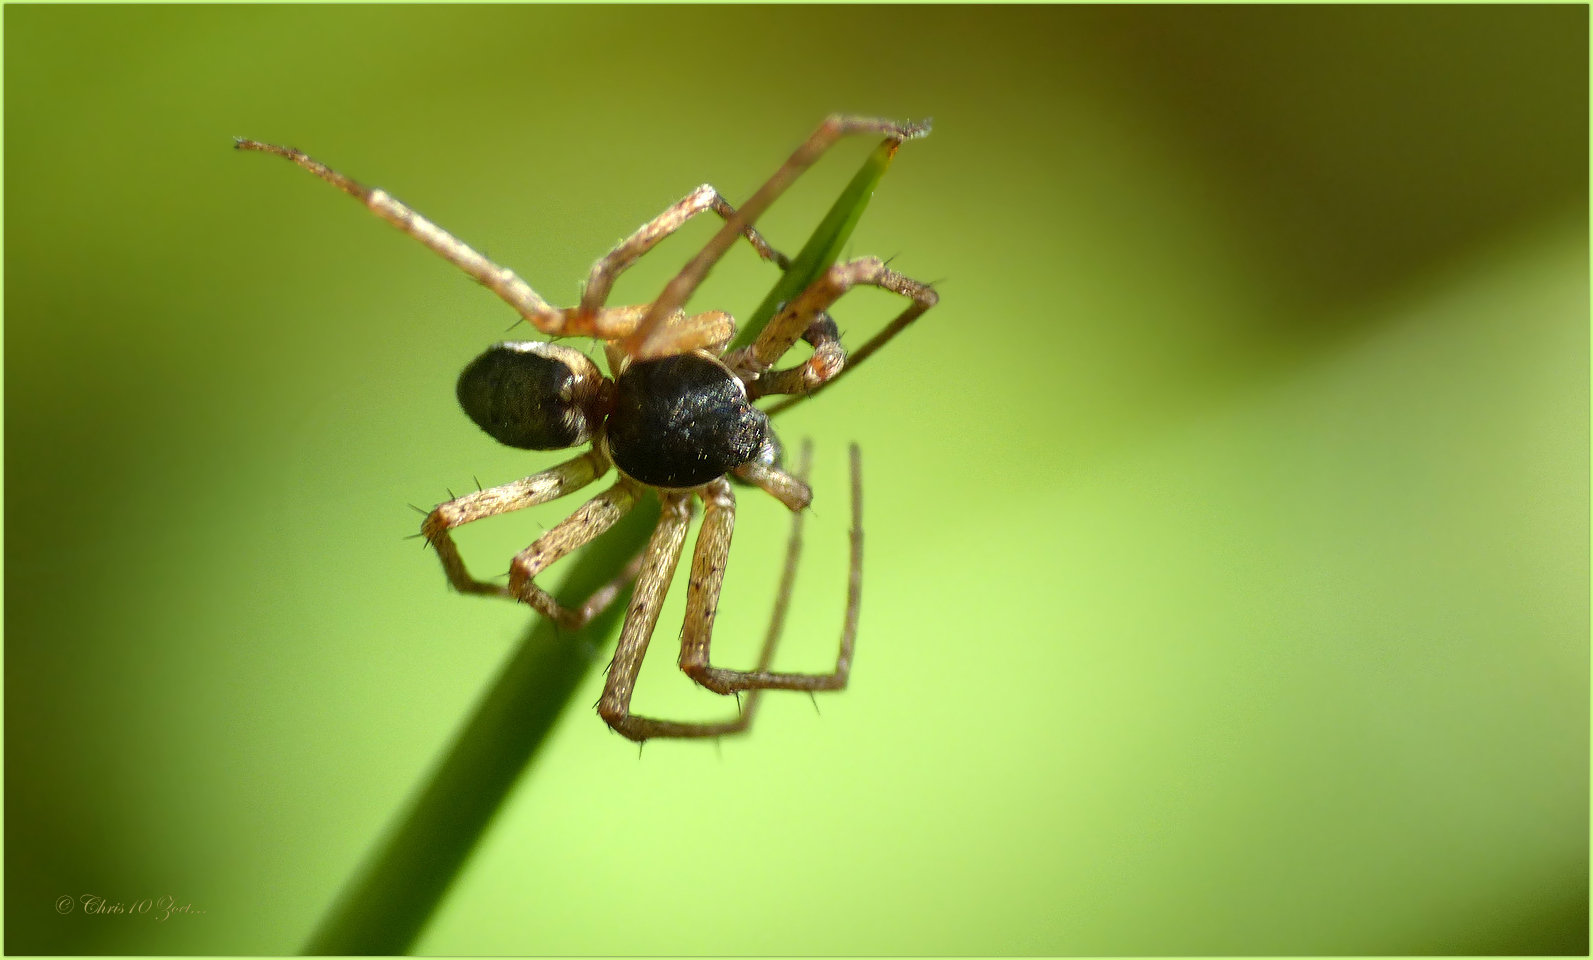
(682, 421)
(531, 395)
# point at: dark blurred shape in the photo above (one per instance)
(1362, 145)
(1553, 924)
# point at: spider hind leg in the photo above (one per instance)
(641, 618)
(708, 575)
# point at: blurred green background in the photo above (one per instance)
(1227, 584)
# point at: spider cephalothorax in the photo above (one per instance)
(677, 418)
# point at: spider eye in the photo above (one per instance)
(682, 421)
(532, 395)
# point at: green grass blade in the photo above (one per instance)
(388, 902)
(824, 247)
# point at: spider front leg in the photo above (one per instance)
(500, 280)
(707, 576)
(798, 317)
(648, 235)
(679, 290)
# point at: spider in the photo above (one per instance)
(677, 417)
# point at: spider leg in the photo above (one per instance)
(567, 477)
(500, 280)
(601, 280)
(782, 486)
(604, 595)
(680, 289)
(658, 569)
(826, 363)
(795, 319)
(708, 573)
(782, 595)
(748, 709)
(579, 528)
(712, 330)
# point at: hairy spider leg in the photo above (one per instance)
(641, 617)
(826, 363)
(601, 280)
(500, 280)
(550, 484)
(591, 521)
(798, 316)
(663, 555)
(782, 486)
(702, 599)
(711, 330)
(601, 323)
(679, 290)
